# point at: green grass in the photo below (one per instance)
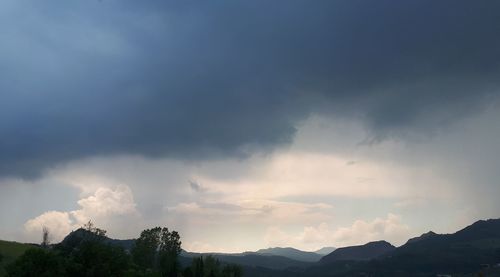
(10, 251)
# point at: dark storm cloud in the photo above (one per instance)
(205, 79)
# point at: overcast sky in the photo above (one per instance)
(249, 124)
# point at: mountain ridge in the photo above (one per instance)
(363, 252)
(325, 250)
(291, 253)
(465, 251)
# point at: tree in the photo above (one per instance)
(169, 250)
(158, 249)
(88, 232)
(89, 226)
(232, 270)
(97, 258)
(198, 268)
(37, 262)
(212, 266)
(146, 246)
(83, 253)
(45, 237)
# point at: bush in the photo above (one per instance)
(38, 262)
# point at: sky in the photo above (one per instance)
(249, 124)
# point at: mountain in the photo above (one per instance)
(464, 251)
(252, 260)
(364, 252)
(126, 244)
(325, 251)
(291, 253)
(188, 254)
(422, 237)
(76, 237)
(471, 250)
(273, 258)
(483, 235)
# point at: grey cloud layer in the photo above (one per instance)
(217, 78)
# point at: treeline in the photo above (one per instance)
(87, 252)
(210, 267)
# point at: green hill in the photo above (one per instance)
(9, 252)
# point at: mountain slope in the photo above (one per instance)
(364, 252)
(76, 237)
(422, 237)
(253, 260)
(291, 253)
(325, 251)
(274, 258)
(465, 252)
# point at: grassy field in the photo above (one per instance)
(10, 251)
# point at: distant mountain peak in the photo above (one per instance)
(378, 242)
(80, 235)
(278, 248)
(363, 252)
(325, 250)
(291, 253)
(422, 237)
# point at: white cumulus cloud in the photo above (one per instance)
(103, 206)
(390, 228)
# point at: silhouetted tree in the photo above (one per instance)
(232, 271)
(198, 268)
(169, 250)
(84, 252)
(146, 246)
(97, 258)
(158, 249)
(89, 226)
(211, 267)
(38, 262)
(45, 237)
(86, 233)
(87, 252)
